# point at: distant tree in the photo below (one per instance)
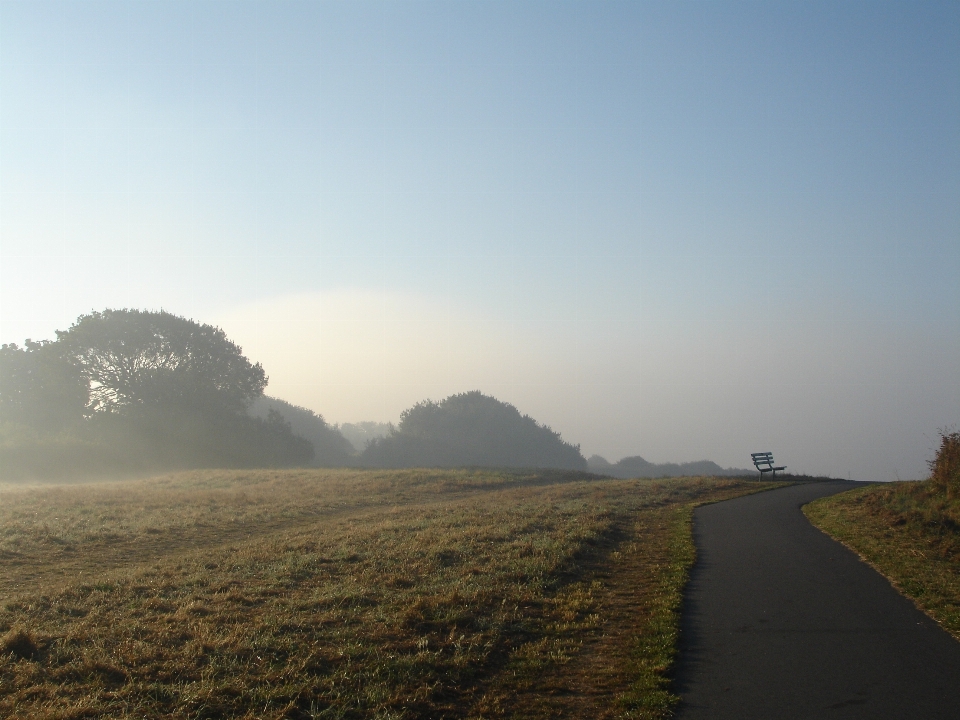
(360, 434)
(600, 465)
(139, 358)
(636, 466)
(39, 388)
(471, 429)
(173, 393)
(331, 448)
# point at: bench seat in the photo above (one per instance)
(763, 461)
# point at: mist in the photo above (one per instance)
(683, 231)
(818, 394)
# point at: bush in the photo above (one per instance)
(471, 429)
(149, 441)
(945, 468)
(156, 439)
(26, 454)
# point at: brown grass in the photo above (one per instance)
(945, 469)
(345, 594)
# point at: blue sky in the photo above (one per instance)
(680, 230)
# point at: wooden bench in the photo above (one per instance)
(764, 463)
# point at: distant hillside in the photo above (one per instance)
(331, 449)
(636, 466)
(471, 429)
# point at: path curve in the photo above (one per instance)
(781, 621)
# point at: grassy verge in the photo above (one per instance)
(345, 594)
(910, 532)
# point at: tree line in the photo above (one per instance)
(135, 390)
(636, 467)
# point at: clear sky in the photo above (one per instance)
(682, 230)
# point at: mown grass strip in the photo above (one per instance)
(655, 649)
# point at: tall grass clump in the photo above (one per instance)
(945, 468)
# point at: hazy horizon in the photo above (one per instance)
(677, 230)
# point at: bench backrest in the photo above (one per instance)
(764, 458)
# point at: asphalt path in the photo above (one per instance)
(780, 621)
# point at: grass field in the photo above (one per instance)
(345, 594)
(910, 532)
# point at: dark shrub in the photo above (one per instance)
(471, 429)
(945, 468)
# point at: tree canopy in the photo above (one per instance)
(141, 358)
(137, 390)
(471, 429)
(39, 388)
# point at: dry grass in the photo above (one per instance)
(345, 594)
(910, 532)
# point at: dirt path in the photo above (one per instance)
(783, 622)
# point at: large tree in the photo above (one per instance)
(140, 358)
(471, 429)
(145, 391)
